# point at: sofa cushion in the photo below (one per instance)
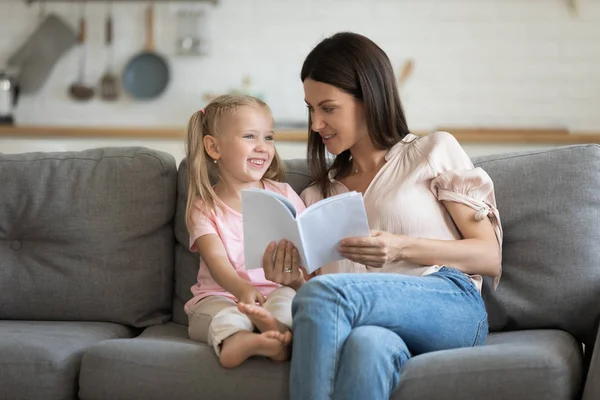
(87, 236)
(187, 263)
(549, 203)
(164, 364)
(40, 360)
(541, 365)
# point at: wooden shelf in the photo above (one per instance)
(463, 135)
(121, 1)
(91, 132)
(521, 136)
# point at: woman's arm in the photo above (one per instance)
(477, 253)
(211, 249)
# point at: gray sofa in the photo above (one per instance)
(94, 272)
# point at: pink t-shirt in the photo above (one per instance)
(228, 226)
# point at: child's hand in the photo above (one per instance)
(250, 295)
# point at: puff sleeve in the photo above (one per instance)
(456, 179)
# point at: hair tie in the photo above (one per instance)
(202, 111)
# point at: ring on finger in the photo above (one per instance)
(287, 270)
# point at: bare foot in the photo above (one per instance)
(285, 339)
(242, 345)
(262, 318)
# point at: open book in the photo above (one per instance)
(316, 233)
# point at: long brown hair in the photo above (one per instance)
(201, 169)
(357, 66)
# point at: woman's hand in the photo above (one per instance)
(281, 264)
(248, 294)
(377, 250)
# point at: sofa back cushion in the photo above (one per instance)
(87, 236)
(187, 263)
(549, 203)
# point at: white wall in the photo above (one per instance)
(286, 150)
(507, 63)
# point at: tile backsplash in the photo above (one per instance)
(476, 63)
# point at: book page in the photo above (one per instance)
(323, 202)
(327, 222)
(286, 202)
(267, 217)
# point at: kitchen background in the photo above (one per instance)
(481, 63)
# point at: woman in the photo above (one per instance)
(435, 233)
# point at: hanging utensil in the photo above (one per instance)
(79, 90)
(42, 11)
(405, 73)
(109, 81)
(190, 40)
(36, 57)
(573, 7)
(146, 76)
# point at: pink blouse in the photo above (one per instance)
(405, 197)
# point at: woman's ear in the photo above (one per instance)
(211, 146)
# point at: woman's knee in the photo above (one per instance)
(321, 289)
(374, 342)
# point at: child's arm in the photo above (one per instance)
(211, 249)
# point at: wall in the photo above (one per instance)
(485, 62)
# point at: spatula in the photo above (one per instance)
(79, 90)
(108, 82)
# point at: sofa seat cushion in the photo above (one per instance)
(537, 364)
(162, 363)
(40, 360)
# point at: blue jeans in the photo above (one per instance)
(353, 333)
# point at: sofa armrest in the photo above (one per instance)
(591, 390)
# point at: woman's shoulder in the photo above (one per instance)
(439, 141)
(311, 194)
(439, 148)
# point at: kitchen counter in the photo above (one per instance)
(463, 135)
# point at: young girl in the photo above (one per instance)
(231, 141)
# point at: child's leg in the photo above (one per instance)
(200, 316)
(237, 343)
(275, 314)
(242, 345)
(216, 321)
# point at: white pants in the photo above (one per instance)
(215, 318)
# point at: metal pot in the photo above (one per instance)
(9, 94)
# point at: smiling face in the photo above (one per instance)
(335, 115)
(244, 146)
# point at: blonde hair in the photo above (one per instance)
(200, 167)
